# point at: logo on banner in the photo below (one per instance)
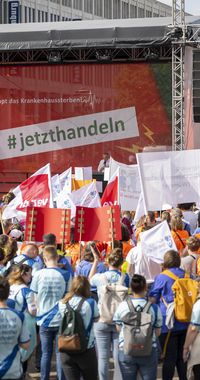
(168, 239)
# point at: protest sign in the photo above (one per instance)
(157, 241)
(40, 221)
(102, 224)
(169, 178)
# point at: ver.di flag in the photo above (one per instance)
(35, 191)
(157, 241)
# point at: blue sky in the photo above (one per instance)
(192, 6)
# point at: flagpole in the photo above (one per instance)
(2, 226)
(31, 225)
(111, 212)
(63, 232)
(80, 220)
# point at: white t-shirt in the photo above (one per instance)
(189, 263)
(142, 264)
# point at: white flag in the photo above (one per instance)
(64, 200)
(140, 210)
(157, 241)
(66, 180)
(55, 183)
(86, 196)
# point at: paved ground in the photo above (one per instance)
(33, 375)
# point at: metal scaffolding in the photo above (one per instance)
(178, 50)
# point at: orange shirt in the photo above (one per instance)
(73, 250)
(180, 237)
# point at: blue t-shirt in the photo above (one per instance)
(89, 312)
(35, 264)
(13, 331)
(162, 288)
(66, 265)
(50, 284)
(123, 309)
(84, 268)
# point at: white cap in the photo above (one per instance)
(16, 234)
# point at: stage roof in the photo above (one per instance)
(91, 33)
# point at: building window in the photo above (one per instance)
(125, 10)
(116, 8)
(25, 14)
(88, 6)
(98, 8)
(133, 11)
(30, 14)
(107, 9)
(78, 4)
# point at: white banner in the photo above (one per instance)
(68, 133)
(157, 241)
(129, 188)
(114, 165)
(84, 173)
(129, 184)
(169, 178)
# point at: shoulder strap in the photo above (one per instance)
(180, 239)
(78, 308)
(170, 274)
(147, 307)
(80, 304)
(130, 305)
(19, 262)
(155, 309)
(121, 279)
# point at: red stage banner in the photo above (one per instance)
(102, 224)
(40, 221)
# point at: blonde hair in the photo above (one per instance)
(80, 286)
(50, 252)
(176, 223)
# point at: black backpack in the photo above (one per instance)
(72, 336)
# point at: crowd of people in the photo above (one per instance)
(39, 284)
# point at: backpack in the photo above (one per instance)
(185, 294)
(112, 294)
(72, 336)
(137, 330)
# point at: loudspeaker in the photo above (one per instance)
(196, 85)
